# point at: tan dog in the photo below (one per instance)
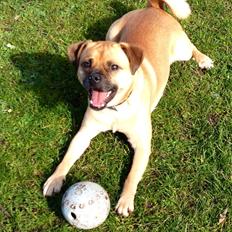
(125, 77)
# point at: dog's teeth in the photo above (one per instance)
(108, 94)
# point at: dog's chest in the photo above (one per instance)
(122, 118)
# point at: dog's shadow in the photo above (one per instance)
(98, 30)
(52, 78)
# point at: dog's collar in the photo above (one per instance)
(115, 107)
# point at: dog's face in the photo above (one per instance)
(106, 70)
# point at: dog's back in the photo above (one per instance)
(156, 32)
(152, 29)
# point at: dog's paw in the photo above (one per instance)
(205, 63)
(125, 205)
(53, 185)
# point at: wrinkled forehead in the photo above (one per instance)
(105, 51)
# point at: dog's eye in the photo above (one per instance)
(86, 64)
(114, 67)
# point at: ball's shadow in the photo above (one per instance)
(53, 79)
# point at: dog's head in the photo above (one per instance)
(106, 70)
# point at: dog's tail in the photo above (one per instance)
(180, 8)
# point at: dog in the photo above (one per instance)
(125, 77)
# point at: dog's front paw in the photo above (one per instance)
(53, 185)
(125, 205)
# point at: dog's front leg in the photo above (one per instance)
(77, 147)
(140, 139)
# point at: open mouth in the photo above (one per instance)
(99, 99)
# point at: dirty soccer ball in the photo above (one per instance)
(85, 205)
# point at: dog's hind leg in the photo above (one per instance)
(203, 61)
(184, 50)
(113, 33)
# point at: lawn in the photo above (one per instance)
(188, 183)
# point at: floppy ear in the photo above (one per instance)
(75, 50)
(134, 54)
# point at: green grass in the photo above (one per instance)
(188, 182)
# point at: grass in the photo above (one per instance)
(187, 184)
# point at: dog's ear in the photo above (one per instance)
(134, 54)
(75, 50)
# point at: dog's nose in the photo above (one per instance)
(95, 77)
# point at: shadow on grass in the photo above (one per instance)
(98, 30)
(53, 80)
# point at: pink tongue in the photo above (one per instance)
(98, 98)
